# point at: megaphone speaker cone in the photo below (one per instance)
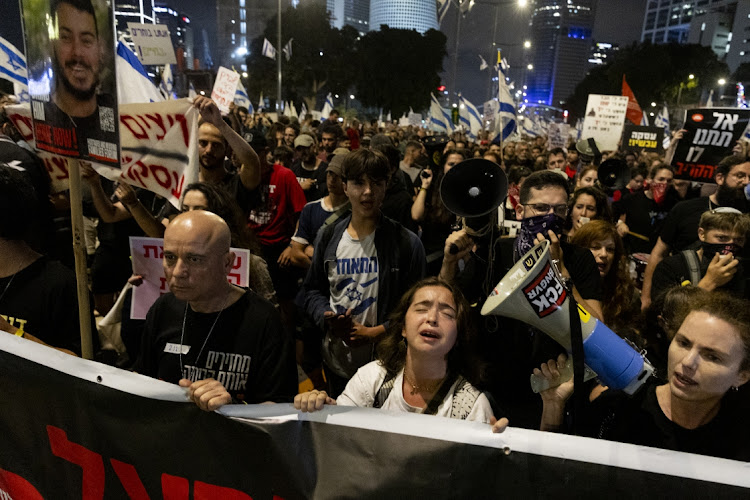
(474, 187)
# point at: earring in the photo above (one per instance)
(735, 388)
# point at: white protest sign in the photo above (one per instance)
(490, 111)
(152, 43)
(147, 256)
(557, 135)
(158, 141)
(415, 119)
(605, 117)
(225, 87)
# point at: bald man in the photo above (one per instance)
(223, 343)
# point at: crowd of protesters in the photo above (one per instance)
(362, 279)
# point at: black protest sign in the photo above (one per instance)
(709, 136)
(643, 138)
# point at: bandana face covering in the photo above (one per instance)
(659, 190)
(530, 227)
(711, 249)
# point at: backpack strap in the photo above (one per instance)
(693, 266)
(464, 398)
(335, 216)
(385, 390)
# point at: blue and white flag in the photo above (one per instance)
(268, 49)
(530, 127)
(662, 121)
(191, 91)
(469, 116)
(261, 102)
(12, 63)
(240, 96)
(710, 100)
(505, 121)
(644, 119)
(167, 83)
(133, 83)
(579, 129)
(483, 64)
(303, 111)
(442, 9)
(327, 107)
(441, 120)
(287, 50)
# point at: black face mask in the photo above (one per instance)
(711, 249)
(530, 227)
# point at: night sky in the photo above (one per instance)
(617, 21)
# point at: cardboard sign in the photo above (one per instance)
(709, 136)
(72, 85)
(415, 119)
(153, 44)
(557, 135)
(159, 147)
(490, 111)
(643, 138)
(147, 254)
(224, 88)
(605, 116)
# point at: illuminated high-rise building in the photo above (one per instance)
(354, 13)
(420, 15)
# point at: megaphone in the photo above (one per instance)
(474, 187)
(614, 174)
(533, 292)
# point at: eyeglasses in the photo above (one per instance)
(544, 208)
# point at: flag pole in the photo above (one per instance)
(278, 59)
(79, 253)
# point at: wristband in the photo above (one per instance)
(422, 188)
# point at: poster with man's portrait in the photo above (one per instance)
(70, 58)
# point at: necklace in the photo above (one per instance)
(210, 331)
(428, 388)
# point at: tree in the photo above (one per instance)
(399, 68)
(655, 73)
(322, 57)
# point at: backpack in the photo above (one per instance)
(694, 267)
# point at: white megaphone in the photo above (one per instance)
(532, 292)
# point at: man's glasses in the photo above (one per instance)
(544, 208)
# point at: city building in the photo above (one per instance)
(739, 45)
(132, 11)
(602, 53)
(561, 44)
(181, 33)
(354, 13)
(420, 15)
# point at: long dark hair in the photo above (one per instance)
(462, 359)
(223, 205)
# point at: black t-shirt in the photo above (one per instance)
(398, 201)
(319, 188)
(680, 228)
(43, 298)
(640, 420)
(674, 269)
(644, 217)
(248, 350)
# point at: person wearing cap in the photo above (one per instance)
(309, 169)
(321, 213)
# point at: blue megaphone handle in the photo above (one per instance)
(615, 361)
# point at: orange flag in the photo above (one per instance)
(634, 113)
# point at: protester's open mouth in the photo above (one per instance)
(683, 380)
(429, 334)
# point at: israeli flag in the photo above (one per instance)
(327, 107)
(240, 96)
(303, 111)
(469, 116)
(442, 9)
(261, 102)
(133, 83)
(268, 49)
(441, 120)
(505, 121)
(12, 63)
(167, 83)
(662, 121)
(644, 120)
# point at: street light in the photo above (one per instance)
(530, 66)
(722, 81)
(527, 44)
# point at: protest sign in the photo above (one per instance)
(152, 43)
(490, 111)
(557, 135)
(605, 116)
(639, 138)
(146, 255)
(159, 147)
(72, 84)
(415, 119)
(79, 429)
(225, 87)
(709, 136)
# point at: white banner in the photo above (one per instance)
(605, 116)
(557, 135)
(146, 255)
(152, 43)
(225, 87)
(158, 142)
